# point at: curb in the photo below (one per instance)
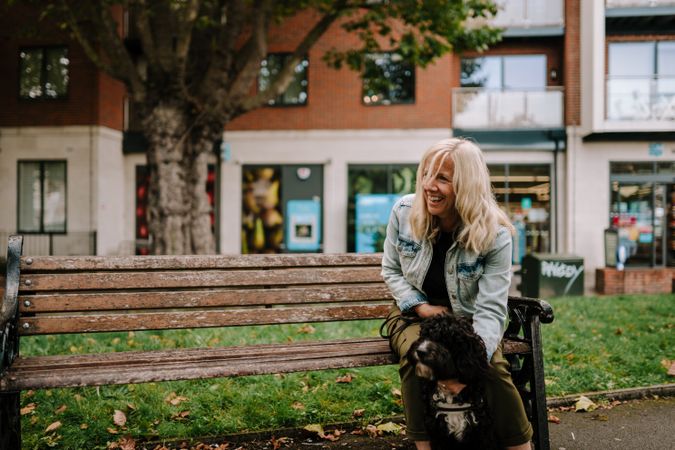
(661, 390)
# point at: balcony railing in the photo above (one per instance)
(479, 108)
(638, 3)
(641, 98)
(73, 243)
(529, 13)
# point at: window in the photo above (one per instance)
(43, 72)
(523, 191)
(388, 79)
(641, 80)
(642, 210)
(296, 92)
(42, 197)
(373, 189)
(513, 72)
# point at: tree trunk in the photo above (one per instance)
(178, 207)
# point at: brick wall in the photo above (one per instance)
(334, 96)
(92, 98)
(572, 64)
(611, 281)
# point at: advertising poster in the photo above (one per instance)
(303, 225)
(372, 215)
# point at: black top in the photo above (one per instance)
(434, 283)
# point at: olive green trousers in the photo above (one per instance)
(504, 402)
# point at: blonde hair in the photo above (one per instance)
(474, 200)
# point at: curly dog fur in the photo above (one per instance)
(448, 348)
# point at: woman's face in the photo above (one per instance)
(439, 194)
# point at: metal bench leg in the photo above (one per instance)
(539, 412)
(10, 421)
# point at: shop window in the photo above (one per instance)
(642, 210)
(282, 208)
(42, 197)
(373, 189)
(43, 72)
(296, 92)
(524, 193)
(388, 79)
(142, 234)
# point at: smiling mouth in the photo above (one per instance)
(434, 198)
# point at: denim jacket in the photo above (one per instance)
(477, 284)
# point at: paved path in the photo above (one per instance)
(633, 425)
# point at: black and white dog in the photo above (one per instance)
(448, 348)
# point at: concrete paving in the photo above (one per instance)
(633, 425)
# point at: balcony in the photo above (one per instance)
(639, 16)
(73, 243)
(530, 17)
(646, 99)
(487, 109)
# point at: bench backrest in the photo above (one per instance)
(95, 294)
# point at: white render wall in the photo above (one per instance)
(94, 158)
(589, 192)
(335, 150)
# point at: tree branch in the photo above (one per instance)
(285, 76)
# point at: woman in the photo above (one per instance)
(448, 249)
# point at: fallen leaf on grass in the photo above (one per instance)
(669, 366)
(298, 406)
(358, 412)
(174, 399)
(119, 418)
(33, 420)
(396, 392)
(390, 427)
(584, 404)
(29, 408)
(344, 379)
(553, 419)
(180, 415)
(112, 430)
(84, 426)
(52, 427)
(61, 409)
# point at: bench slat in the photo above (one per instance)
(193, 262)
(86, 323)
(183, 364)
(196, 279)
(121, 301)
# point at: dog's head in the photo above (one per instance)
(448, 348)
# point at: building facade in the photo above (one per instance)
(579, 138)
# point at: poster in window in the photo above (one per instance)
(303, 227)
(372, 215)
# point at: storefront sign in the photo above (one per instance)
(611, 247)
(372, 215)
(303, 225)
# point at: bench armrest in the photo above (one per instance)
(9, 338)
(533, 306)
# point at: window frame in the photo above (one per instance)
(277, 102)
(388, 102)
(43, 73)
(42, 163)
(502, 71)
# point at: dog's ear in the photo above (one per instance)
(471, 359)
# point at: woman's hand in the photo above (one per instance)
(453, 386)
(426, 310)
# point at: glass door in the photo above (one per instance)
(641, 213)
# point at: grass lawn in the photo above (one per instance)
(595, 343)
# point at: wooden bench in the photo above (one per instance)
(56, 295)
